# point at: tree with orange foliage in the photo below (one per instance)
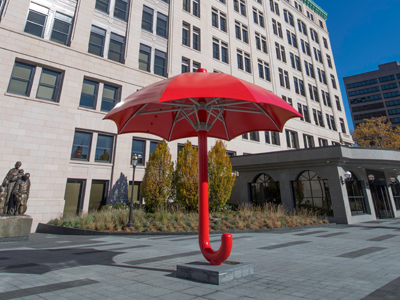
(377, 133)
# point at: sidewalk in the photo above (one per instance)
(342, 262)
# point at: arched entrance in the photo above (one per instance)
(265, 190)
(310, 191)
(357, 201)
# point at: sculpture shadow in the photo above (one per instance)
(119, 191)
(41, 261)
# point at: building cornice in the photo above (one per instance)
(311, 4)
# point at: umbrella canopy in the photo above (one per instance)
(170, 108)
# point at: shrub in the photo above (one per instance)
(157, 182)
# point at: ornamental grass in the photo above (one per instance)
(175, 219)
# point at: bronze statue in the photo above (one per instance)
(9, 182)
(21, 194)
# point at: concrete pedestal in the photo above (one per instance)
(14, 227)
(204, 272)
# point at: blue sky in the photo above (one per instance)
(363, 35)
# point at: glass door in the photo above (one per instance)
(74, 197)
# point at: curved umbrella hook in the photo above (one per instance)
(219, 256)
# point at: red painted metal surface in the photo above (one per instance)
(204, 105)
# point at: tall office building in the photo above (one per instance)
(375, 94)
(66, 63)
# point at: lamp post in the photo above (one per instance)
(135, 159)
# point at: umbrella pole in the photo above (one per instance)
(214, 257)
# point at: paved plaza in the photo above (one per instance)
(333, 262)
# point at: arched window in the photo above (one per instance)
(312, 192)
(288, 17)
(265, 190)
(358, 205)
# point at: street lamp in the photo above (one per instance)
(135, 159)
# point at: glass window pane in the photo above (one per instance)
(89, 87)
(102, 5)
(49, 77)
(59, 37)
(153, 146)
(22, 71)
(138, 148)
(45, 92)
(81, 145)
(103, 148)
(73, 193)
(109, 92)
(97, 195)
(18, 87)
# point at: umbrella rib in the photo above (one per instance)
(188, 119)
(262, 110)
(226, 129)
(150, 112)
(176, 104)
(134, 115)
(243, 110)
(173, 124)
(216, 118)
(212, 102)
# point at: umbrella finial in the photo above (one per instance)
(202, 70)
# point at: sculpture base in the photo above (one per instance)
(204, 272)
(14, 227)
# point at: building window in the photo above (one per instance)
(318, 55)
(162, 25)
(220, 50)
(117, 48)
(280, 52)
(186, 5)
(96, 41)
(333, 81)
(343, 127)
(81, 146)
(21, 79)
(196, 38)
(49, 85)
(138, 148)
(61, 29)
(306, 114)
(241, 32)
(144, 58)
(185, 65)
(314, 35)
(263, 70)
(300, 110)
(292, 40)
(308, 141)
(320, 119)
(186, 34)
(35, 23)
(196, 66)
(121, 9)
(291, 139)
(88, 94)
(267, 138)
(312, 192)
(261, 42)
(110, 97)
(265, 190)
(102, 5)
(195, 7)
(258, 17)
(315, 116)
(254, 136)
(323, 142)
(275, 138)
(321, 76)
(328, 59)
(305, 47)
(333, 123)
(147, 18)
(153, 146)
(288, 17)
(160, 63)
(302, 27)
(103, 148)
(240, 6)
(218, 19)
(338, 106)
(243, 60)
(277, 28)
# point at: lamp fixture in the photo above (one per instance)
(347, 177)
(371, 177)
(393, 180)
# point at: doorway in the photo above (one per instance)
(98, 194)
(380, 195)
(74, 197)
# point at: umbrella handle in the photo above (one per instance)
(219, 256)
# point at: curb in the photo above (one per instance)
(52, 229)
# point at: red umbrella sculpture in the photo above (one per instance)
(202, 104)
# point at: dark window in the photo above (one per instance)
(89, 94)
(338, 106)
(196, 38)
(96, 41)
(117, 47)
(308, 141)
(160, 63)
(312, 192)
(265, 190)
(267, 139)
(292, 139)
(35, 23)
(49, 85)
(147, 19)
(104, 148)
(138, 148)
(185, 65)
(186, 34)
(224, 52)
(61, 29)
(186, 5)
(357, 201)
(275, 138)
(162, 25)
(196, 8)
(144, 58)
(121, 9)
(110, 97)
(81, 145)
(216, 49)
(342, 125)
(153, 146)
(254, 136)
(102, 5)
(21, 79)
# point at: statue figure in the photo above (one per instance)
(3, 194)
(11, 178)
(21, 194)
